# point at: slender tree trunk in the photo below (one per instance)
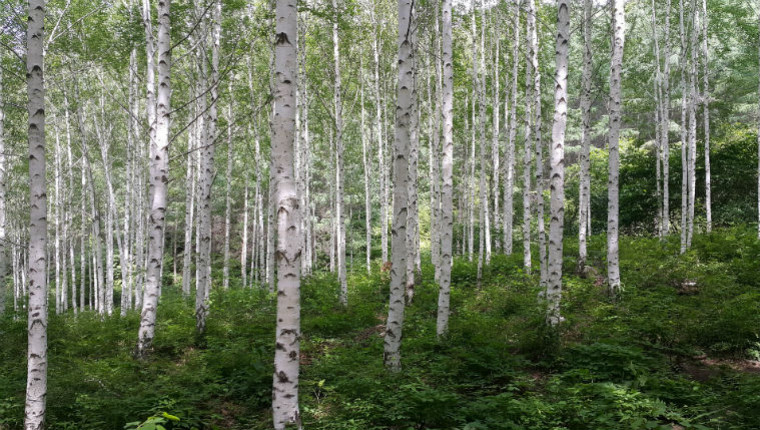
(530, 69)
(434, 113)
(367, 185)
(496, 135)
(244, 245)
(665, 127)
(613, 208)
(557, 175)
(447, 167)
(340, 238)
(227, 199)
(404, 112)
(510, 160)
(693, 101)
(3, 249)
(159, 177)
(187, 252)
(706, 115)
(658, 145)
(684, 142)
(414, 143)
(36, 383)
(206, 174)
(379, 135)
(286, 361)
(539, 148)
(57, 218)
(585, 158)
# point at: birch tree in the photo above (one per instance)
(509, 177)
(159, 178)
(447, 167)
(557, 162)
(288, 329)
(404, 112)
(36, 380)
(340, 238)
(584, 194)
(613, 208)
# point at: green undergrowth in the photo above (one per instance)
(667, 353)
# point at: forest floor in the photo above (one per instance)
(677, 350)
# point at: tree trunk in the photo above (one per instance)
(206, 173)
(159, 177)
(665, 127)
(340, 239)
(613, 208)
(447, 167)
(684, 142)
(227, 200)
(367, 185)
(530, 69)
(693, 101)
(379, 135)
(404, 112)
(584, 193)
(36, 383)
(706, 115)
(537, 136)
(509, 179)
(557, 175)
(286, 360)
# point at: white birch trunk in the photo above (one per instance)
(509, 179)
(693, 101)
(367, 184)
(585, 157)
(665, 127)
(613, 208)
(287, 350)
(706, 115)
(159, 177)
(36, 383)
(340, 228)
(227, 199)
(404, 112)
(447, 167)
(684, 140)
(557, 163)
(530, 69)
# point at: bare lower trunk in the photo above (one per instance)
(585, 158)
(530, 69)
(404, 112)
(340, 238)
(447, 167)
(36, 382)
(613, 208)
(159, 177)
(557, 175)
(706, 115)
(510, 159)
(287, 350)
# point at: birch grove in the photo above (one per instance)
(219, 162)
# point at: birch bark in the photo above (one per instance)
(287, 350)
(447, 164)
(404, 112)
(613, 208)
(557, 176)
(159, 178)
(36, 385)
(585, 157)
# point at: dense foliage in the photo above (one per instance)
(675, 349)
